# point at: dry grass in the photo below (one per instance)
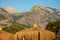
(34, 33)
(6, 36)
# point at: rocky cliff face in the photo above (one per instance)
(38, 14)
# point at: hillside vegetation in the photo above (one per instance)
(13, 28)
(54, 27)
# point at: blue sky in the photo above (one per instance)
(26, 5)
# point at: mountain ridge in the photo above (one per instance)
(38, 14)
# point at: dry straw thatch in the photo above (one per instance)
(34, 33)
(5, 35)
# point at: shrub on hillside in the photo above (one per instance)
(13, 28)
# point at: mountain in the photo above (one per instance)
(38, 14)
(5, 17)
(10, 10)
(8, 15)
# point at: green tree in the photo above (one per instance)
(54, 27)
(13, 28)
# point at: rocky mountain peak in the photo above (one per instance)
(37, 7)
(10, 9)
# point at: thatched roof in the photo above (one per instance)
(34, 33)
(5, 35)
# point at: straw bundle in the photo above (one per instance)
(34, 33)
(5, 35)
